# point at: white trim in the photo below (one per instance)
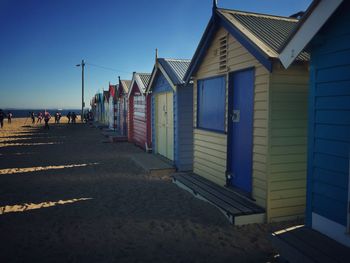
(159, 67)
(330, 228)
(319, 16)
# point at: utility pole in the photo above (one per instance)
(82, 89)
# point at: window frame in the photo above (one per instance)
(223, 76)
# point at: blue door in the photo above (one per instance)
(240, 124)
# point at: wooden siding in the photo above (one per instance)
(160, 85)
(139, 132)
(288, 142)
(210, 148)
(330, 122)
(184, 128)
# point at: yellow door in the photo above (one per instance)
(164, 125)
(169, 126)
(160, 124)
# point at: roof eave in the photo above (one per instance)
(219, 20)
(200, 51)
(260, 55)
(317, 15)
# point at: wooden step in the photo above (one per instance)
(238, 209)
(153, 164)
(302, 244)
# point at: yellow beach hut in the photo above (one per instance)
(250, 114)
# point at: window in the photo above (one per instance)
(211, 104)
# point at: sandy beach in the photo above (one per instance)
(68, 195)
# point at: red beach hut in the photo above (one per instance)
(139, 131)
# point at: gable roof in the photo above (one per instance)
(142, 80)
(124, 84)
(262, 35)
(173, 69)
(315, 17)
(106, 95)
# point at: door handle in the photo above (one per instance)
(236, 115)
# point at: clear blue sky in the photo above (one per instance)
(42, 41)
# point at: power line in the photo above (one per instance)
(107, 68)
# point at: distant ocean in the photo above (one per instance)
(25, 113)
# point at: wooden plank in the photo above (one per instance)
(323, 244)
(226, 192)
(210, 197)
(310, 252)
(220, 193)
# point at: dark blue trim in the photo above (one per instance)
(211, 130)
(252, 48)
(311, 144)
(229, 122)
(215, 21)
(197, 120)
(202, 47)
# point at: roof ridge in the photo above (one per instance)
(143, 73)
(177, 59)
(286, 18)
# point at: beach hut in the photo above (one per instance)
(172, 118)
(325, 30)
(139, 131)
(105, 119)
(122, 107)
(98, 107)
(112, 123)
(250, 114)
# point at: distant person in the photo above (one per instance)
(40, 117)
(9, 117)
(2, 116)
(32, 116)
(47, 118)
(74, 117)
(69, 115)
(91, 116)
(57, 117)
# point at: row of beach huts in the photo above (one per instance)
(263, 106)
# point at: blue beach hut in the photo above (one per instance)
(172, 117)
(325, 31)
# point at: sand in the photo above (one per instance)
(67, 195)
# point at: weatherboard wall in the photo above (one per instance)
(161, 85)
(138, 127)
(210, 148)
(288, 141)
(270, 90)
(329, 125)
(184, 128)
(183, 120)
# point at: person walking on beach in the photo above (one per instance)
(40, 117)
(32, 116)
(9, 117)
(74, 117)
(47, 118)
(68, 116)
(57, 117)
(2, 116)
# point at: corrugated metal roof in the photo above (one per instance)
(126, 85)
(145, 78)
(175, 68)
(273, 31)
